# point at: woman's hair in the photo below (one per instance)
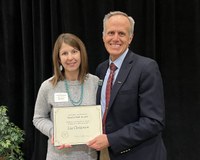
(75, 42)
(110, 14)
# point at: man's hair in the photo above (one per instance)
(110, 14)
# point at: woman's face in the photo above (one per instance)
(70, 58)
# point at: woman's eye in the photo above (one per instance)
(64, 53)
(74, 51)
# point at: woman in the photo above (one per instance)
(71, 79)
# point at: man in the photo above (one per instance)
(135, 113)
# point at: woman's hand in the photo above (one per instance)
(61, 146)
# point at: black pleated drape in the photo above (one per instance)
(166, 30)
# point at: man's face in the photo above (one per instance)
(117, 36)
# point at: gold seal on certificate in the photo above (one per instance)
(76, 125)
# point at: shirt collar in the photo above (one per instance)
(119, 60)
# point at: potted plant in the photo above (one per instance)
(11, 136)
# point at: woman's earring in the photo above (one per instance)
(61, 67)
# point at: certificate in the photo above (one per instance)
(76, 125)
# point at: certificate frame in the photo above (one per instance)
(76, 125)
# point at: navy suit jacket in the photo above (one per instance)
(136, 113)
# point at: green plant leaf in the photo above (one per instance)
(11, 136)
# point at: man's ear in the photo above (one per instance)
(130, 39)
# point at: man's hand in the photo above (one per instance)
(100, 142)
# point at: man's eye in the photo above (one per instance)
(121, 34)
(110, 33)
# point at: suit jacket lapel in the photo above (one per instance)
(121, 77)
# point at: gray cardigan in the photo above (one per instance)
(43, 119)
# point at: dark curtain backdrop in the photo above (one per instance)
(166, 30)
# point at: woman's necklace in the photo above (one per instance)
(75, 103)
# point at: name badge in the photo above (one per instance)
(60, 97)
